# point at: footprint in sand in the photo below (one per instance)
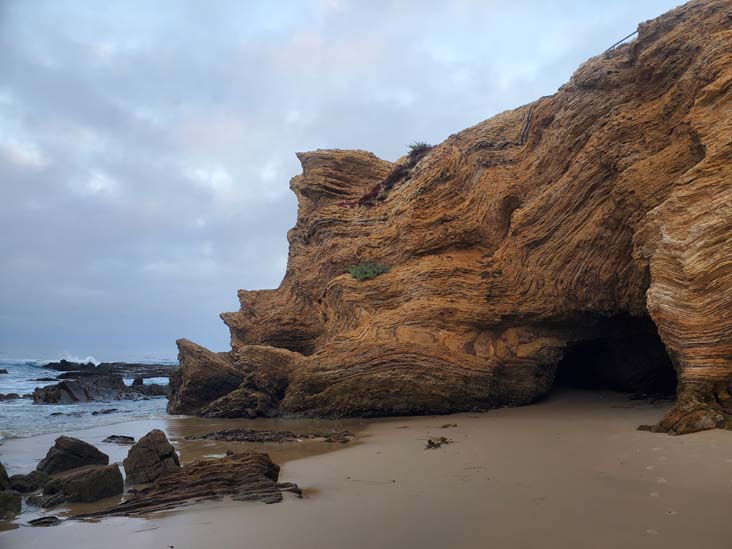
(651, 468)
(652, 532)
(661, 480)
(662, 458)
(670, 512)
(654, 494)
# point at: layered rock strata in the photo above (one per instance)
(571, 220)
(244, 477)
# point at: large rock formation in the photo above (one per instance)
(579, 218)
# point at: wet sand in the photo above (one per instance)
(570, 472)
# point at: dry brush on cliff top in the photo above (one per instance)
(602, 212)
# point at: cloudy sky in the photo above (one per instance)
(146, 147)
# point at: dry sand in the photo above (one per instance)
(570, 472)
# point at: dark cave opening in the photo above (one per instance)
(624, 354)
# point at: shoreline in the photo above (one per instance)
(570, 471)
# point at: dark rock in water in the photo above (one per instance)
(73, 414)
(152, 389)
(35, 480)
(119, 439)
(83, 485)
(245, 477)
(75, 370)
(96, 388)
(10, 396)
(48, 520)
(265, 435)
(104, 412)
(10, 504)
(70, 453)
(83, 390)
(3, 371)
(64, 365)
(46, 379)
(4, 480)
(152, 457)
(138, 381)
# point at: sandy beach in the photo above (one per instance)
(571, 471)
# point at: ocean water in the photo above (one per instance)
(21, 418)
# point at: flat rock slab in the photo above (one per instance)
(246, 476)
(119, 439)
(70, 453)
(265, 435)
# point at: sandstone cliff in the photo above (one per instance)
(601, 213)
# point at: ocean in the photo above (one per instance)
(21, 418)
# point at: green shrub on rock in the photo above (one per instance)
(366, 270)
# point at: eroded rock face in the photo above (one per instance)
(245, 477)
(506, 244)
(152, 457)
(71, 453)
(83, 485)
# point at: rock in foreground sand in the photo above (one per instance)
(85, 485)
(70, 453)
(245, 477)
(150, 458)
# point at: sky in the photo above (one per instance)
(146, 147)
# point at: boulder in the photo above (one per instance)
(3, 371)
(4, 480)
(10, 504)
(70, 453)
(83, 485)
(152, 457)
(35, 480)
(104, 412)
(10, 396)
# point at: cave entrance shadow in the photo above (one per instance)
(624, 354)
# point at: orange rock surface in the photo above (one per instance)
(584, 215)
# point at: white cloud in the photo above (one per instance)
(24, 155)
